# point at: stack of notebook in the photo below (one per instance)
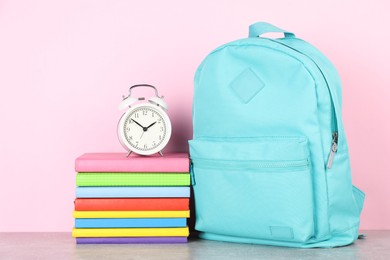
(139, 199)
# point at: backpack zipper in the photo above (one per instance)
(241, 165)
(333, 150)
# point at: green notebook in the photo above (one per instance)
(132, 179)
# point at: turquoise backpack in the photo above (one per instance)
(270, 162)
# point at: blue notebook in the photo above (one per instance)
(132, 192)
(129, 222)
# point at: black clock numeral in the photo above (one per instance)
(154, 144)
(145, 146)
(159, 137)
(152, 114)
(161, 129)
(130, 137)
(136, 144)
(130, 121)
(144, 112)
(128, 129)
(136, 115)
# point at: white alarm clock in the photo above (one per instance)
(145, 127)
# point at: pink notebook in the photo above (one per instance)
(118, 162)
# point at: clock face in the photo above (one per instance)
(145, 129)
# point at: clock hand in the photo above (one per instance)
(144, 128)
(150, 125)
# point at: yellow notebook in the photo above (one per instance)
(130, 232)
(132, 214)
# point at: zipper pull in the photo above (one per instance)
(192, 174)
(333, 149)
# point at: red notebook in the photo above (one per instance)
(118, 162)
(127, 204)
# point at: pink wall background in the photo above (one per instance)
(65, 64)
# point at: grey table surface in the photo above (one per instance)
(62, 246)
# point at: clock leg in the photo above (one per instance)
(160, 152)
(128, 153)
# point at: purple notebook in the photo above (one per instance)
(130, 240)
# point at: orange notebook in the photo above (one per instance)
(127, 204)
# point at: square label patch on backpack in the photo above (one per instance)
(247, 85)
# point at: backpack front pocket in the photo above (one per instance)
(253, 187)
